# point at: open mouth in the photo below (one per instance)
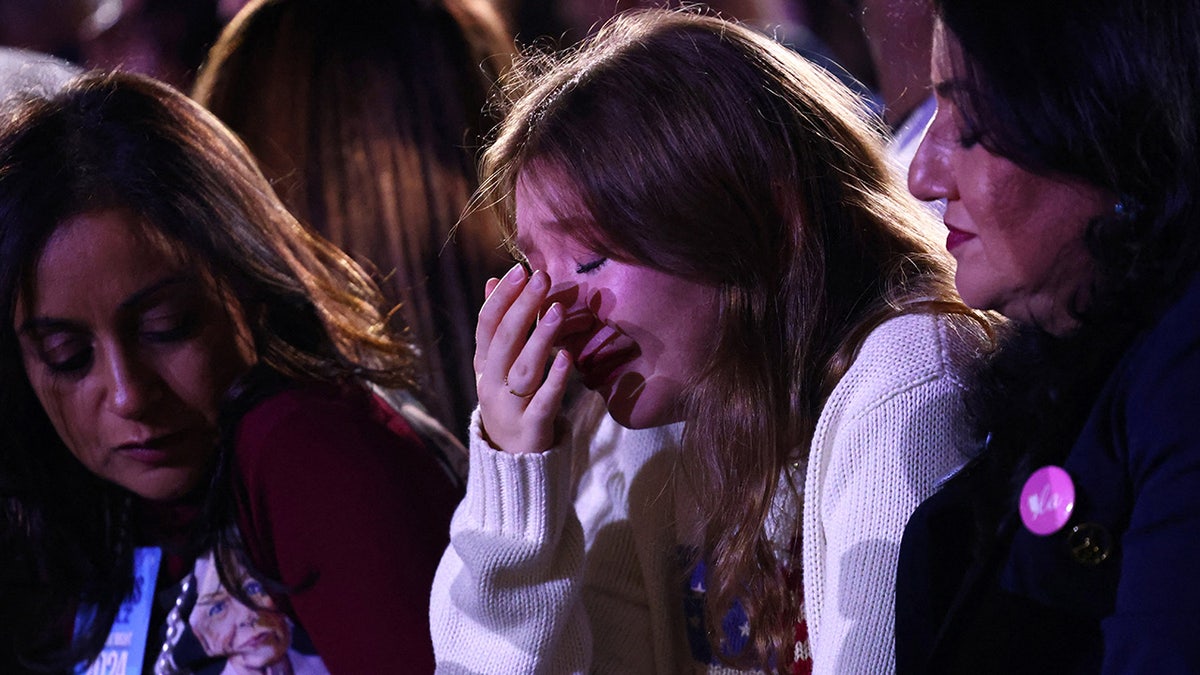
(598, 369)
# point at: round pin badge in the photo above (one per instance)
(1047, 500)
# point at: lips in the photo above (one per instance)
(259, 639)
(154, 450)
(956, 237)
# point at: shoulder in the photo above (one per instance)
(1162, 375)
(911, 351)
(1170, 350)
(312, 407)
(322, 423)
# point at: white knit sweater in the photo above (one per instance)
(893, 427)
(553, 573)
(550, 574)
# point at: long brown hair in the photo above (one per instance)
(367, 117)
(707, 151)
(121, 140)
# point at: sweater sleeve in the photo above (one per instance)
(507, 596)
(354, 517)
(873, 462)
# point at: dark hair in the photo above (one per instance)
(367, 117)
(704, 150)
(125, 141)
(1107, 92)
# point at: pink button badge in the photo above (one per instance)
(1047, 500)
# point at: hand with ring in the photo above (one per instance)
(517, 408)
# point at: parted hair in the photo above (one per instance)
(707, 151)
(115, 140)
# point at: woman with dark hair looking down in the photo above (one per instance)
(186, 373)
(1065, 147)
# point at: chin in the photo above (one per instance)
(972, 295)
(164, 491)
(635, 405)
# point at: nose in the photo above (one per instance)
(133, 384)
(929, 175)
(247, 617)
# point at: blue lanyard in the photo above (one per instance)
(125, 648)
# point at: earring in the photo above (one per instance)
(1128, 207)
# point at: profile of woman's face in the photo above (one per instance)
(637, 335)
(1018, 237)
(250, 638)
(129, 349)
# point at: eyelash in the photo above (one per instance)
(183, 327)
(591, 266)
(969, 139)
(78, 362)
(74, 364)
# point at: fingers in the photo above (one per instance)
(525, 374)
(545, 404)
(530, 424)
(500, 297)
(517, 409)
(512, 332)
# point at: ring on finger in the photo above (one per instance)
(518, 394)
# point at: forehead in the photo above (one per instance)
(106, 231)
(98, 254)
(549, 212)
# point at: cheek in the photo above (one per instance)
(207, 371)
(64, 407)
(1041, 226)
(989, 191)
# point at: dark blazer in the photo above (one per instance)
(1117, 589)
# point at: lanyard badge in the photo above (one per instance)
(125, 648)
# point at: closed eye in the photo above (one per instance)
(590, 266)
(169, 328)
(969, 139)
(65, 353)
(76, 363)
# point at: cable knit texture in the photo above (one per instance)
(540, 561)
(891, 430)
(551, 573)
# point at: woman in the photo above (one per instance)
(186, 371)
(716, 241)
(251, 638)
(1065, 146)
(367, 117)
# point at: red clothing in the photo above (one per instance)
(343, 496)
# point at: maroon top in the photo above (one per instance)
(341, 494)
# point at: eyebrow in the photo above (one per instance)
(46, 325)
(140, 297)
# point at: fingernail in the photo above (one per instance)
(561, 360)
(539, 280)
(554, 313)
(515, 275)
